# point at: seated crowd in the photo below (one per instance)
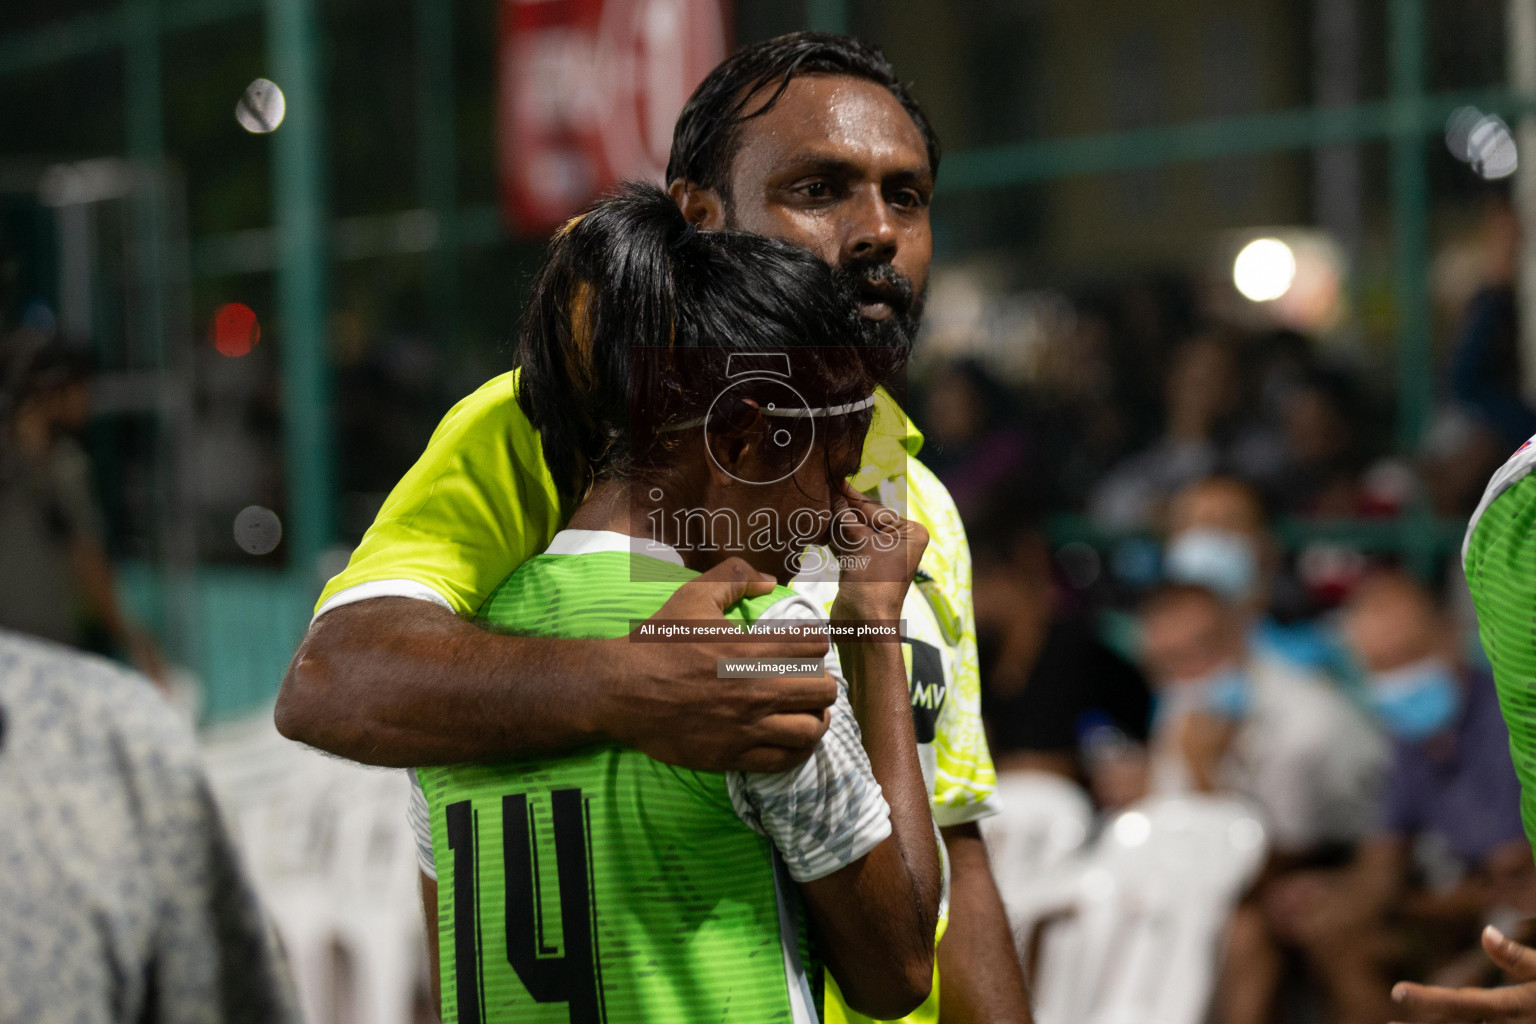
(1368, 739)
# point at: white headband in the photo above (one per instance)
(793, 414)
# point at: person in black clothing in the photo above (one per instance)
(1054, 696)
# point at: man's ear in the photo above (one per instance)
(701, 206)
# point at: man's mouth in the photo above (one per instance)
(874, 310)
(877, 302)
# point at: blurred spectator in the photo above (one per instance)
(1054, 696)
(51, 533)
(1089, 411)
(1450, 853)
(1459, 455)
(1488, 417)
(122, 900)
(1485, 373)
(1324, 452)
(1202, 394)
(1231, 719)
(1219, 537)
(1281, 359)
(975, 445)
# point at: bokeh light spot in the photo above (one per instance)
(261, 108)
(1080, 563)
(1458, 132)
(1483, 140)
(1264, 270)
(235, 330)
(257, 530)
(1132, 829)
(1492, 148)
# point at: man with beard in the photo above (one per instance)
(812, 139)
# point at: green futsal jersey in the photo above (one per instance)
(1499, 556)
(609, 887)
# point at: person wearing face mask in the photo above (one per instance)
(1219, 537)
(1232, 719)
(1449, 855)
(1498, 556)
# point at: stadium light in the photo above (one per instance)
(1264, 269)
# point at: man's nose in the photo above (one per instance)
(871, 232)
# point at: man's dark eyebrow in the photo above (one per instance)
(922, 179)
(835, 167)
(827, 166)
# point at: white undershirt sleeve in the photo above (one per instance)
(421, 828)
(382, 588)
(828, 812)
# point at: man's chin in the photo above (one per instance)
(890, 328)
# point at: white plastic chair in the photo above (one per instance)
(333, 859)
(1140, 941)
(378, 915)
(1043, 820)
(1034, 843)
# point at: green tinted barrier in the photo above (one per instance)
(241, 629)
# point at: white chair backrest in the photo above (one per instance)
(333, 858)
(1142, 940)
(1043, 820)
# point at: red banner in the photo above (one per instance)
(588, 92)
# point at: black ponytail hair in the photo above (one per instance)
(635, 317)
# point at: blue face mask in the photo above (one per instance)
(1217, 559)
(1225, 693)
(1417, 700)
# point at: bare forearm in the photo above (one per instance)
(400, 682)
(982, 979)
(876, 917)
(877, 690)
(1374, 882)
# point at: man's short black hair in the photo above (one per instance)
(708, 131)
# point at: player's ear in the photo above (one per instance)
(701, 206)
(735, 446)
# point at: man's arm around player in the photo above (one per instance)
(401, 682)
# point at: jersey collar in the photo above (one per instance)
(892, 439)
(586, 542)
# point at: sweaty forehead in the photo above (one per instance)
(831, 118)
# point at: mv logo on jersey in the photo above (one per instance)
(925, 674)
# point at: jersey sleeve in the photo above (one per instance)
(477, 504)
(419, 816)
(830, 811)
(965, 783)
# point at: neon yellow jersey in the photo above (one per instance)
(939, 646)
(480, 502)
(476, 505)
